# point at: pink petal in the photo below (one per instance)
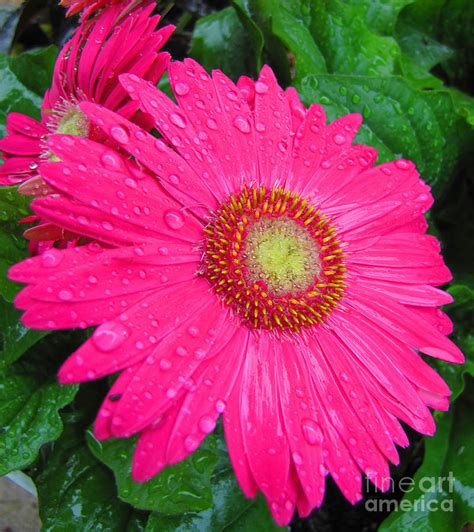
(409, 294)
(177, 130)
(131, 336)
(221, 117)
(308, 148)
(78, 313)
(185, 425)
(169, 368)
(299, 412)
(334, 173)
(21, 124)
(171, 169)
(405, 325)
(340, 134)
(264, 436)
(207, 399)
(130, 196)
(20, 145)
(342, 417)
(298, 110)
(273, 128)
(102, 428)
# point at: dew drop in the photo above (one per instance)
(177, 120)
(297, 459)
(311, 431)
(51, 258)
(220, 406)
(193, 331)
(191, 443)
(211, 124)
(119, 134)
(242, 124)
(110, 160)
(171, 393)
(207, 424)
(401, 164)
(165, 364)
(181, 89)
(109, 336)
(174, 220)
(339, 139)
(65, 295)
(181, 351)
(130, 182)
(260, 87)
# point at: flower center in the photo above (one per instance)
(72, 121)
(282, 253)
(274, 258)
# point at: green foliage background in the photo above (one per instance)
(405, 65)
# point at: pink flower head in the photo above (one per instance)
(87, 69)
(255, 263)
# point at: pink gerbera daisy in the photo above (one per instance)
(254, 263)
(87, 69)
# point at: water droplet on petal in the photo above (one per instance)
(65, 295)
(402, 164)
(178, 120)
(191, 443)
(207, 424)
(51, 258)
(261, 88)
(211, 124)
(109, 336)
(339, 139)
(181, 88)
(311, 432)
(220, 406)
(165, 364)
(181, 351)
(119, 134)
(242, 124)
(110, 160)
(174, 220)
(171, 393)
(297, 459)
(193, 331)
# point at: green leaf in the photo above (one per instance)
(456, 22)
(9, 15)
(14, 96)
(340, 27)
(76, 492)
(437, 505)
(221, 41)
(230, 511)
(180, 488)
(15, 339)
(296, 36)
(399, 121)
(35, 68)
(13, 207)
(29, 416)
(421, 53)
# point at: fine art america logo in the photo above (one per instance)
(433, 495)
